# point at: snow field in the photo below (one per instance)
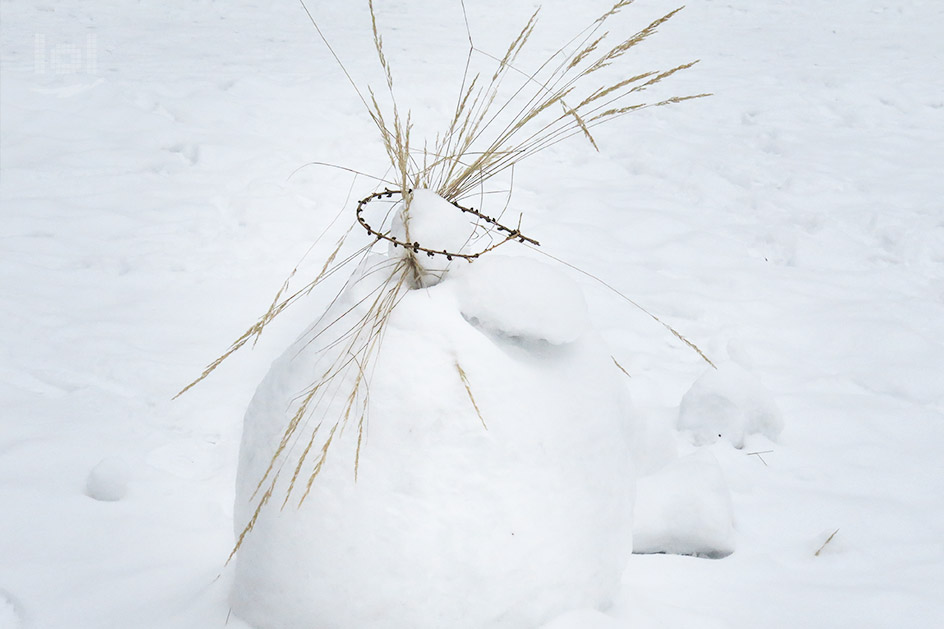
(791, 224)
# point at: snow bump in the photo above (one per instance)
(729, 403)
(520, 298)
(108, 481)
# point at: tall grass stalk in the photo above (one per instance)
(498, 120)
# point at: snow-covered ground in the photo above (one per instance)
(792, 225)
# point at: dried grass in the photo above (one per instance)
(823, 547)
(496, 123)
(468, 390)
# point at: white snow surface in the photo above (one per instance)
(583, 619)
(792, 224)
(9, 617)
(449, 523)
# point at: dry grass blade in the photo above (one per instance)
(668, 327)
(252, 521)
(620, 49)
(603, 92)
(363, 341)
(582, 125)
(339, 167)
(322, 457)
(620, 367)
(516, 45)
(274, 310)
(613, 113)
(468, 390)
(288, 434)
(828, 539)
(301, 462)
(583, 54)
(616, 8)
(327, 44)
(378, 45)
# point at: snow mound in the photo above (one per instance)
(450, 523)
(108, 481)
(436, 224)
(729, 403)
(685, 509)
(520, 298)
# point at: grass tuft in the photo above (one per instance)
(495, 124)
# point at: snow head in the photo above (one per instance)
(435, 223)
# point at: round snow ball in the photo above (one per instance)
(517, 297)
(108, 481)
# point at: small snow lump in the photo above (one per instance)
(729, 403)
(108, 481)
(517, 297)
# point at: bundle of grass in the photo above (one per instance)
(496, 487)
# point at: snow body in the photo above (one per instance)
(685, 509)
(450, 523)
